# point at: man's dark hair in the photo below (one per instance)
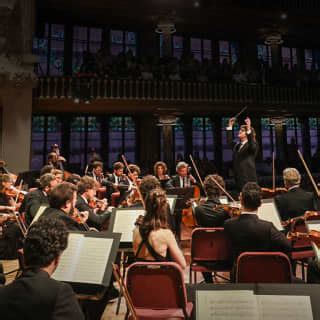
(46, 169)
(74, 179)
(118, 165)
(134, 168)
(97, 164)
(46, 179)
(85, 184)
(45, 241)
(211, 187)
(148, 183)
(60, 194)
(251, 196)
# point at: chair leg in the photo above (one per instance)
(195, 277)
(302, 271)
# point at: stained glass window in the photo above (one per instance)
(46, 131)
(202, 138)
(177, 47)
(123, 41)
(314, 126)
(179, 140)
(264, 54)
(40, 49)
(312, 59)
(226, 148)
(268, 138)
(294, 133)
(229, 51)
(122, 139)
(201, 48)
(289, 57)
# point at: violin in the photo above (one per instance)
(80, 218)
(313, 235)
(268, 193)
(308, 215)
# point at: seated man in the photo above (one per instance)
(35, 295)
(62, 203)
(97, 171)
(39, 197)
(183, 178)
(296, 201)
(210, 213)
(86, 193)
(247, 232)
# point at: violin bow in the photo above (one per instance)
(308, 173)
(198, 174)
(134, 182)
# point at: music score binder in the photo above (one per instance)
(122, 221)
(88, 259)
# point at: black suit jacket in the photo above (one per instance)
(94, 220)
(35, 296)
(175, 182)
(35, 199)
(52, 213)
(294, 203)
(248, 233)
(209, 215)
(244, 160)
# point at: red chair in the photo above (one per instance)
(158, 291)
(301, 248)
(212, 246)
(264, 267)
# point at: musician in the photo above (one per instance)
(160, 171)
(97, 172)
(210, 213)
(6, 202)
(183, 179)
(48, 168)
(112, 181)
(244, 153)
(296, 201)
(62, 203)
(86, 193)
(247, 232)
(152, 239)
(53, 159)
(35, 295)
(39, 197)
(58, 174)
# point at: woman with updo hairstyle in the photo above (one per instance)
(152, 238)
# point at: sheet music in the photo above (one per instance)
(92, 260)
(284, 307)
(124, 222)
(269, 212)
(226, 305)
(171, 201)
(69, 258)
(223, 200)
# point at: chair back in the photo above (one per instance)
(156, 285)
(264, 267)
(210, 244)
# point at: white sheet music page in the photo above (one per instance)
(268, 212)
(272, 307)
(92, 260)
(69, 258)
(124, 223)
(226, 305)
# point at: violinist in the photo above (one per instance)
(62, 203)
(244, 153)
(296, 201)
(247, 232)
(39, 197)
(97, 172)
(10, 234)
(98, 215)
(116, 182)
(53, 159)
(211, 213)
(58, 174)
(161, 173)
(183, 179)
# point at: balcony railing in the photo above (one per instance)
(94, 88)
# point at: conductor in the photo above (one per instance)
(244, 153)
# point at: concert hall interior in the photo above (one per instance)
(182, 135)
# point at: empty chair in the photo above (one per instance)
(265, 267)
(210, 251)
(157, 290)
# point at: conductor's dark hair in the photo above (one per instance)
(251, 196)
(45, 241)
(60, 194)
